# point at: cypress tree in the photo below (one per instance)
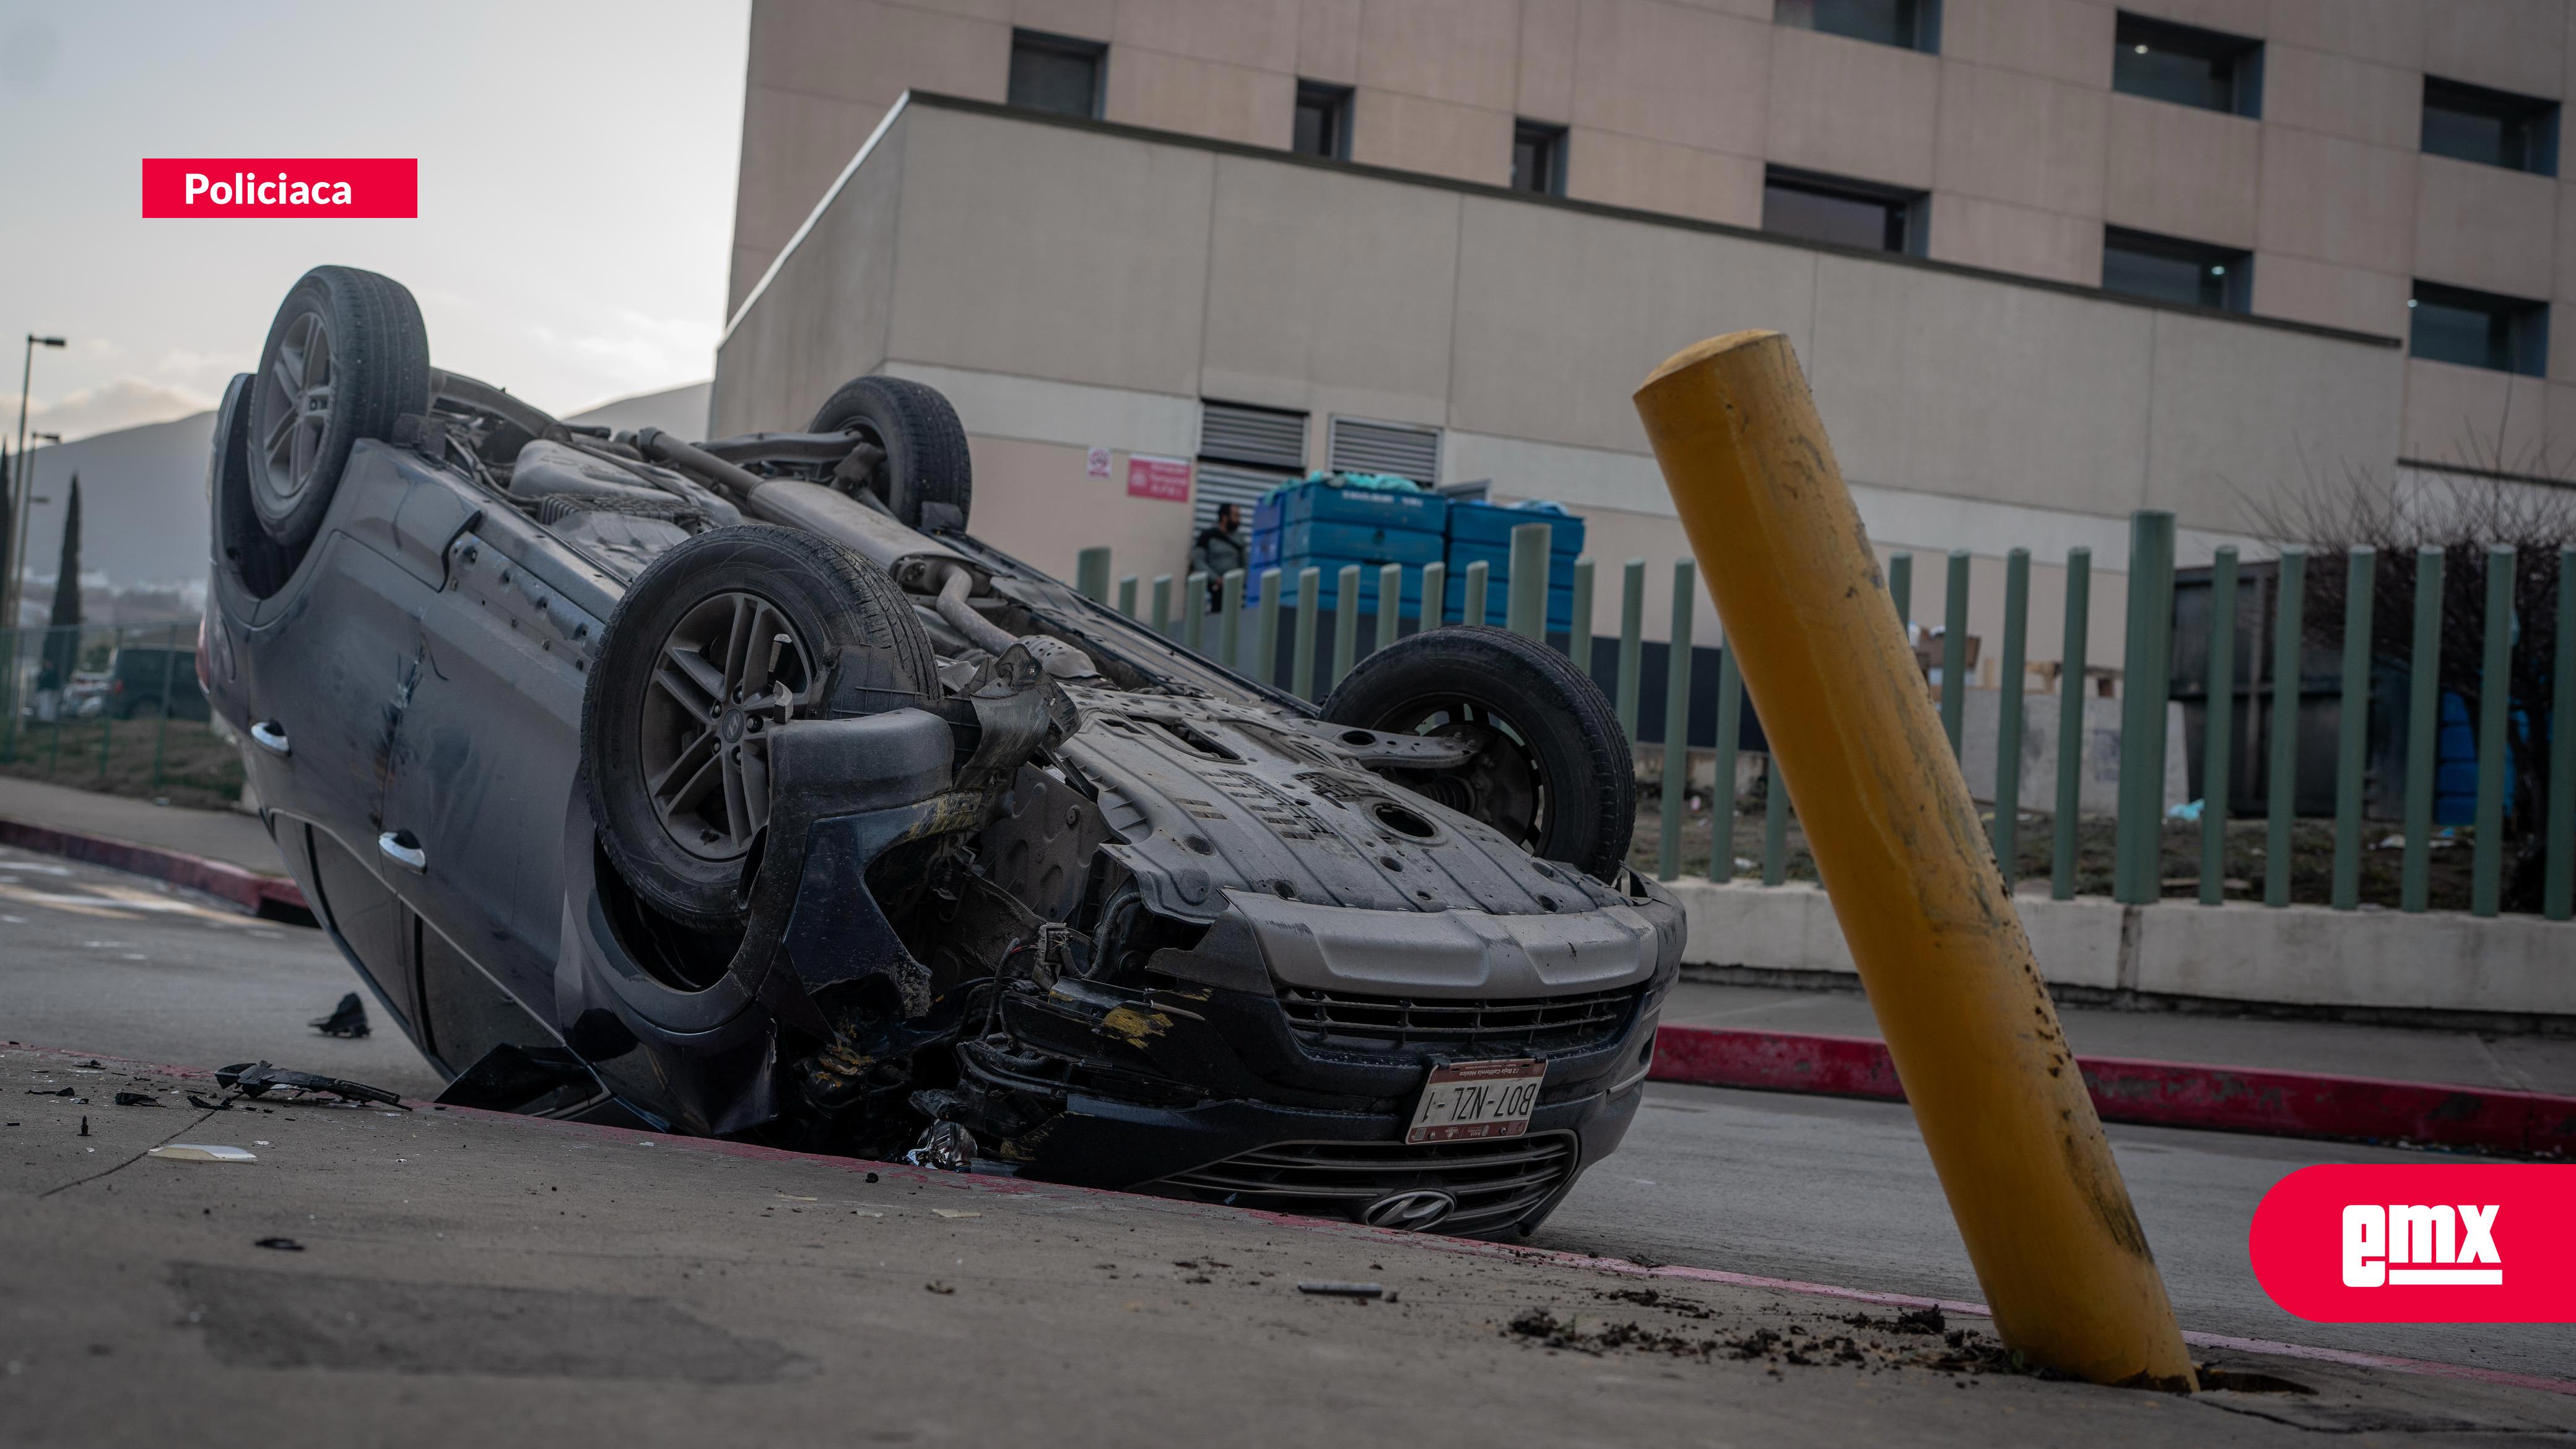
(64, 644)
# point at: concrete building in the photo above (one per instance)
(2045, 261)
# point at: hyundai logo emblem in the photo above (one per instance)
(1411, 1212)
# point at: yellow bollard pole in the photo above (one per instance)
(1976, 1042)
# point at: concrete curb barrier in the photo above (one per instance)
(275, 897)
(2164, 1094)
(2294, 955)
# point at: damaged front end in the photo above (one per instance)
(1186, 946)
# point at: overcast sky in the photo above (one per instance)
(577, 163)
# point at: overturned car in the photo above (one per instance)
(734, 787)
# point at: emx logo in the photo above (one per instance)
(2426, 1238)
(2420, 1244)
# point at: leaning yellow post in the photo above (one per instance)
(1897, 843)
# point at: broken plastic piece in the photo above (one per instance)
(283, 1245)
(348, 1019)
(254, 1079)
(199, 1102)
(509, 1077)
(1345, 1290)
(137, 1099)
(201, 1152)
(945, 1146)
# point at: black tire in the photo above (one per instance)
(680, 797)
(359, 336)
(1555, 775)
(926, 481)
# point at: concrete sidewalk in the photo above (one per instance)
(438, 1276)
(225, 835)
(2515, 1063)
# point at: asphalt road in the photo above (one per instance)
(1806, 1188)
(98, 960)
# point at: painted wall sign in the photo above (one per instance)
(1165, 478)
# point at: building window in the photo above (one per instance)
(1913, 24)
(1323, 121)
(2195, 274)
(1057, 73)
(2496, 128)
(1844, 213)
(2188, 66)
(2478, 329)
(1538, 158)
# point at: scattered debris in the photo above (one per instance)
(137, 1099)
(1553, 1332)
(257, 1079)
(348, 1019)
(58, 1092)
(872, 1177)
(283, 1245)
(1651, 1298)
(201, 1152)
(1882, 1343)
(957, 1212)
(225, 1105)
(1347, 1290)
(935, 1286)
(84, 1124)
(945, 1146)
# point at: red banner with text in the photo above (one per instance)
(237, 187)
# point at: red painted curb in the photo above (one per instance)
(253, 892)
(2165, 1094)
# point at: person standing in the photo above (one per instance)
(1219, 550)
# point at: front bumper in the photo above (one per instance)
(1336, 1164)
(1215, 1092)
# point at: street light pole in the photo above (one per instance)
(26, 485)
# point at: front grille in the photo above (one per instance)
(1552, 1023)
(1495, 1181)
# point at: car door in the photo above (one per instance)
(486, 755)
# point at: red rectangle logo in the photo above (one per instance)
(270, 186)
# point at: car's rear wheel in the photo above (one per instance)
(346, 356)
(1553, 774)
(925, 478)
(720, 642)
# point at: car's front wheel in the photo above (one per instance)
(1552, 773)
(722, 641)
(924, 476)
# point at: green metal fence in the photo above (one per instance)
(2521, 854)
(110, 706)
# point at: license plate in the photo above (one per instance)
(1467, 1100)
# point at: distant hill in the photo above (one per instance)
(143, 504)
(143, 490)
